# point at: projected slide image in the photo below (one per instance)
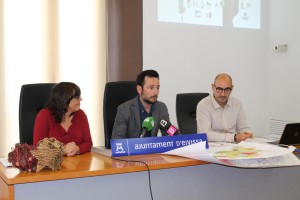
(233, 13)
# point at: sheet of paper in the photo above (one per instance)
(265, 139)
(244, 154)
(5, 162)
(195, 151)
(248, 150)
(279, 161)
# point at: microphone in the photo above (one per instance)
(148, 125)
(168, 127)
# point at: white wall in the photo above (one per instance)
(189, 56)
(283, 69)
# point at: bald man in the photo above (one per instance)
(220, 116)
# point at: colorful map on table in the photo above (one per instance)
(244, 154)
(238, 152)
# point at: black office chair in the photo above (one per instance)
(32, 99)
(186, 105)
(115, 93)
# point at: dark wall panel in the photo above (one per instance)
(124, 39)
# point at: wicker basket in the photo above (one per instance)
(48, 158)
(48, 153)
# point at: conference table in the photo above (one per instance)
(95, 176)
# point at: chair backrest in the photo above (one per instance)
(115, 93)
(186, 105)
(32, 99)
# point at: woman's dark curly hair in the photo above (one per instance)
(60, 97)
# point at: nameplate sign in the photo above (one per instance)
(151, 145)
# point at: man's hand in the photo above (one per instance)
(243, 136)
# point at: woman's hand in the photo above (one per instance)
(71, 149)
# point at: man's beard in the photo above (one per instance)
(150, 102)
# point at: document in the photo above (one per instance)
(271, 138)
(244, 154)
(5, 162)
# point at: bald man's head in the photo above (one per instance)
(222, 88)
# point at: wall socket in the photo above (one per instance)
(281, 48)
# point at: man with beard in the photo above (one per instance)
(131, 114)
(220, 116)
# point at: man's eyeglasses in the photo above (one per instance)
(226, 90)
